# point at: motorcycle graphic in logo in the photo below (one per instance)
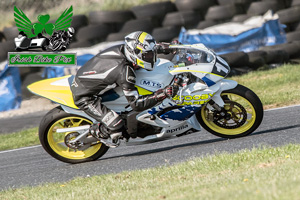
(44, 35)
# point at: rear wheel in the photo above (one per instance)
(244, 113)
(56, 144)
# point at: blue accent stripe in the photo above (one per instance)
(208, 81)
(181, 114)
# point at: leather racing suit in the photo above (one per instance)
(105, 71)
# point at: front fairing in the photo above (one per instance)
(199, 61)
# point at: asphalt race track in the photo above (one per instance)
(18, 123)
(33, 166)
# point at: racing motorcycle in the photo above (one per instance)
(59, 40)
(205, 99)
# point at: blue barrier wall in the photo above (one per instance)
(10, 88)
(270, 33)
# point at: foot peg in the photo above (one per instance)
(109, 142)
(101, 133)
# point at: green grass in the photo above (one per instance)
(15, 140)
(277, 87)
(260, 173)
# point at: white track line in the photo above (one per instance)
(282, 107)
(24, 148)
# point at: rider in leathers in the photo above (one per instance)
(115, 67)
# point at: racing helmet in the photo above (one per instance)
(140, 49)
(71, 31)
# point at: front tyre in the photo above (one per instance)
(54, 142)
(244, 113)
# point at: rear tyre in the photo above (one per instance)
(54, 143)
(246, 114)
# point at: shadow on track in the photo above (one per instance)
(158, 150)
(276, 129)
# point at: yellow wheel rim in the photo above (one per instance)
(56, 140)
(235, 112)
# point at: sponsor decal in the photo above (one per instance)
(177, 129)
(89, 72)
(193, 99)
(151, 83)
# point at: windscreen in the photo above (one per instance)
(191, 56)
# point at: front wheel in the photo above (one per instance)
(244, 113)
(55, 143)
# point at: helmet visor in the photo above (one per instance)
(149, 56)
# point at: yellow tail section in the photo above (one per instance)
(55, 89)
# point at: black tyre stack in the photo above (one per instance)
(156, 13)
(101, 25)
(199, 8)
(164, 20)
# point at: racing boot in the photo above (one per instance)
(98, 131)
(105, 135)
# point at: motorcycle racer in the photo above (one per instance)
(115, 67)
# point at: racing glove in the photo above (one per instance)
(169, 91)
(175, 42)
(163, 48)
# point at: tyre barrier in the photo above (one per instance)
(260, 8)
(95, 33)
(163, 20)
(295, 3)
(154, 11)
(119, 16)
(222, 13)
(236, 59)
(116, 36)
(82, 43)
(240, 18)
(195, 5)
(137, 25)
(289, 15)
(79, 21)
(1, 36)
(6, 46)
(166, 34)
(188, 19)
(293, 36)
(206, 23)
(10, 32)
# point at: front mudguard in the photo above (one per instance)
(225, 84)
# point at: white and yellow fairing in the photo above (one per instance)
(55, 89)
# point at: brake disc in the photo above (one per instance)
(236, 116)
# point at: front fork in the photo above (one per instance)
(218, 112)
